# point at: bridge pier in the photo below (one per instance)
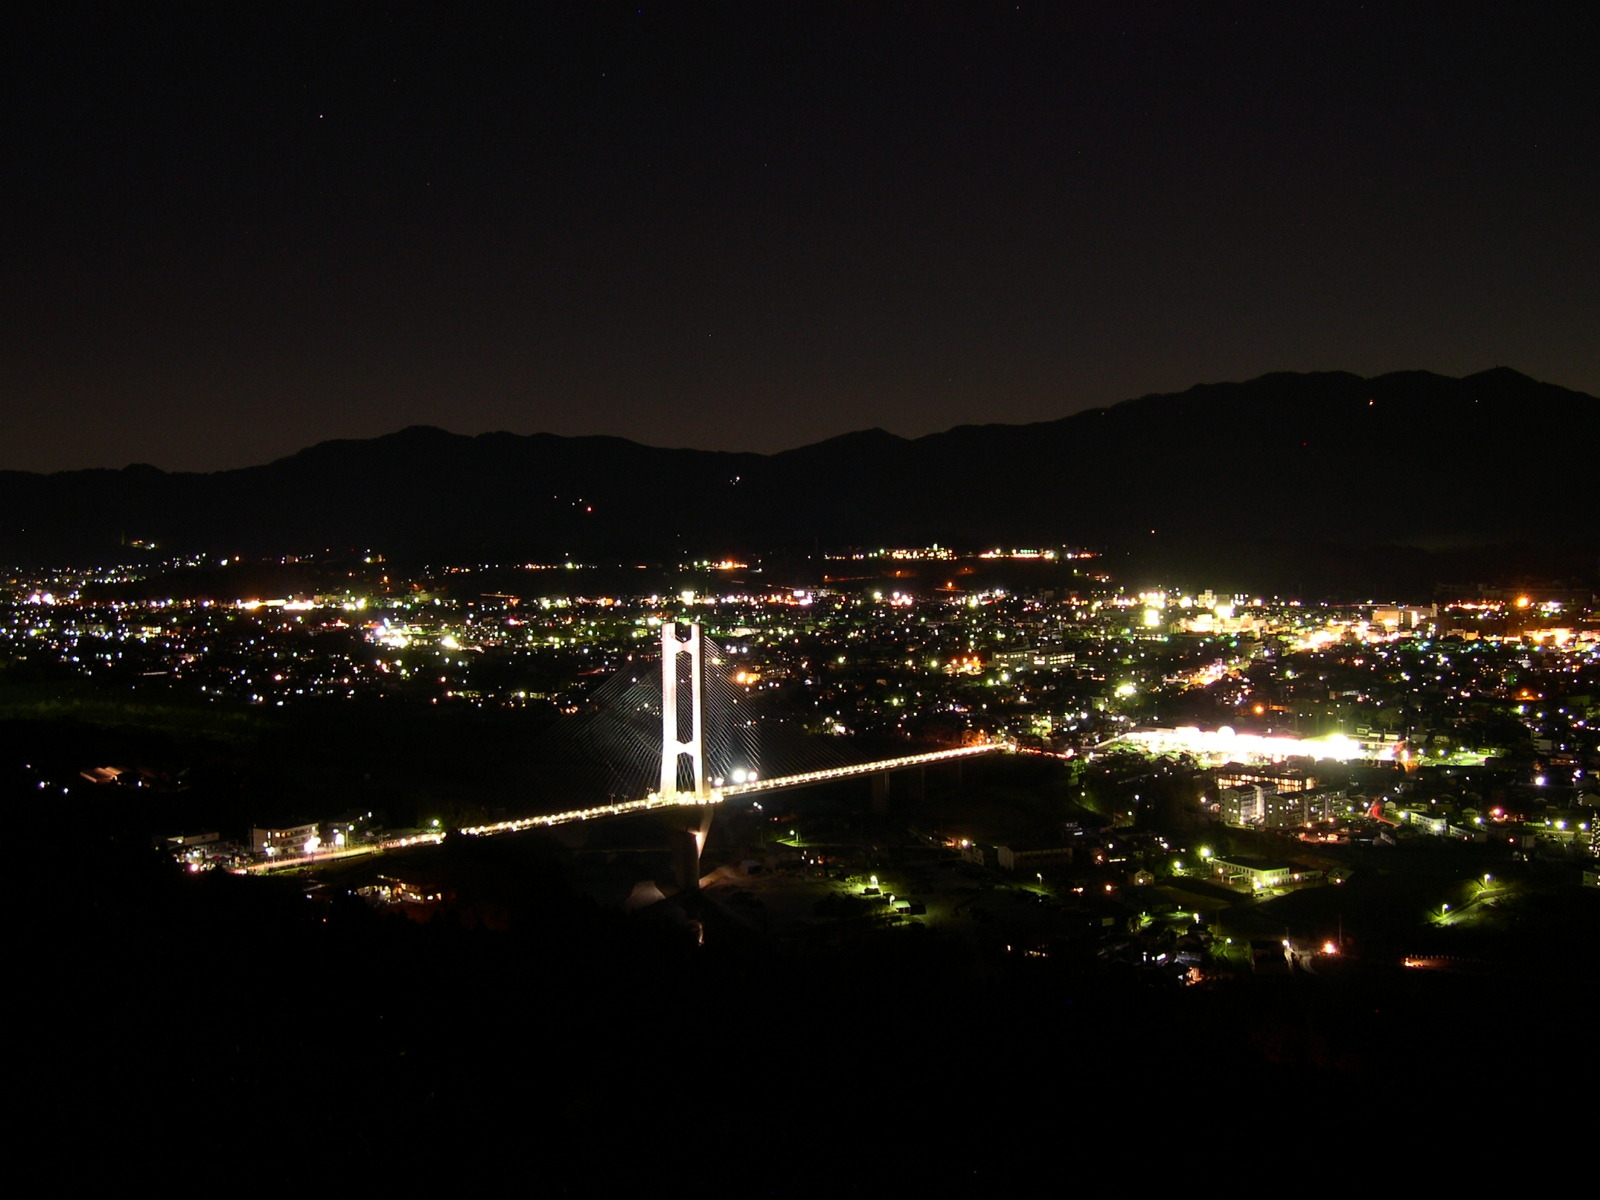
(880, 793)
(688, 842)
(881, 787)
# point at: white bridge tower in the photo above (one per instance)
(683, 670)
(682, 662)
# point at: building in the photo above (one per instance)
(287, 841)
(1259, 874)
(1257, 806)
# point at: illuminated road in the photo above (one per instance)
(872, 768)
(308, 860)
(650, 803)
(717, 795)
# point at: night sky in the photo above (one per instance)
(234, 230)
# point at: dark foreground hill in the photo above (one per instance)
(1296, 475)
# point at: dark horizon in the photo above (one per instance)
(841, 436)
(236, 233)
(1297, 482)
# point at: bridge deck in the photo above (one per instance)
(717, 795)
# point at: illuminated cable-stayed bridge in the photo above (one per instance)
(683, 782)
(716, 795)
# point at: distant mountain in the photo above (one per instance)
(1247, 473)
